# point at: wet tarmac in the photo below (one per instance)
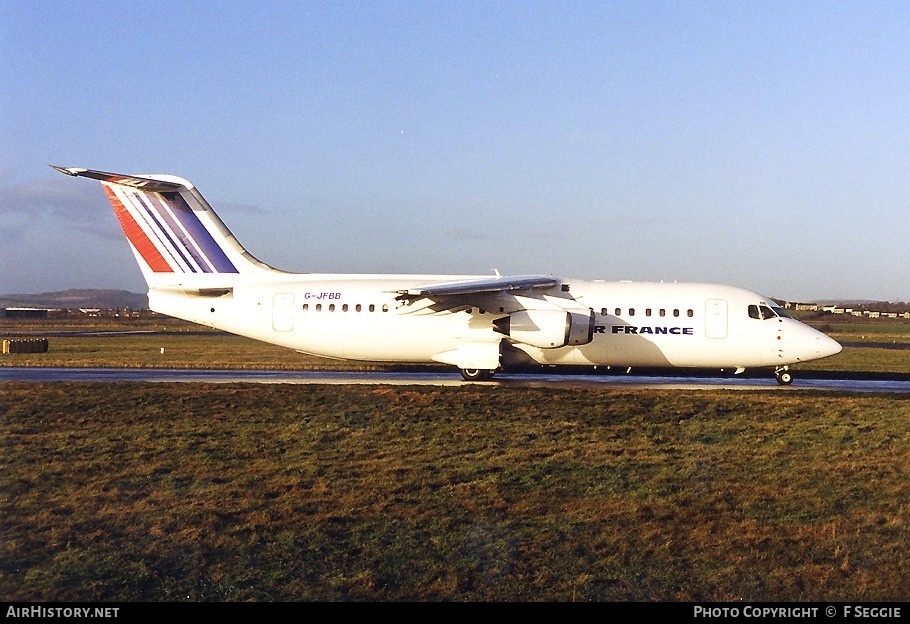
(537, 380)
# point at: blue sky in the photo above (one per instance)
(759, 144)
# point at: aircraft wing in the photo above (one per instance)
(479, 287)
(448, 297)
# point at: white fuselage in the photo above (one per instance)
(360, 317)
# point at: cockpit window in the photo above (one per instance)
(780, 311)
(763, 312)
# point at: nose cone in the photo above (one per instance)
(827, 346)
(814, 345)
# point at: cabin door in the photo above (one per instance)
(716, 318)
(283, 312)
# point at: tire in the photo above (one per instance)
(476, 374)
(784, 378)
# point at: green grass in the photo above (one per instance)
(862, 360)
(211, 350)
(233, 492)
(177, 344)
(869, 330)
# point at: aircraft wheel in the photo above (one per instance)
(784, 378)
(476, 374)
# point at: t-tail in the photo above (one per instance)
(177, 238)
(184, 250)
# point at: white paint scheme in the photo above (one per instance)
(441, 318)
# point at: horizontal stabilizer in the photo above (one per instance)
(146, 183)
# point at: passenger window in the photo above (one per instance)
(331, 307)
(357, 308)
(618, 312)
(690, 313)
(385, 307)
(647, 311)
(372, 307)
(603, 311)
(631, 311)
(306, 307)
(675, 312)
(663, 312)
(319, 307)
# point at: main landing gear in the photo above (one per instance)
(476, 374)
(784, 376)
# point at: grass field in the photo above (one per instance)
(160, 492)
(157, 343)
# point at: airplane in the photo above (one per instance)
(197, 270)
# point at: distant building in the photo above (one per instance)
(24, 313)
(796, 305)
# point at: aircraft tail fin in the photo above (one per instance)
(177, 238)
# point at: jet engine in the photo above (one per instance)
(548, 329)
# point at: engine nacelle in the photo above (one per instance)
(548, 329)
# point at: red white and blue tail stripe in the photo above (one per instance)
(173, 231)
(166, 232)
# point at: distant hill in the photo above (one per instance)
(78, 298)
